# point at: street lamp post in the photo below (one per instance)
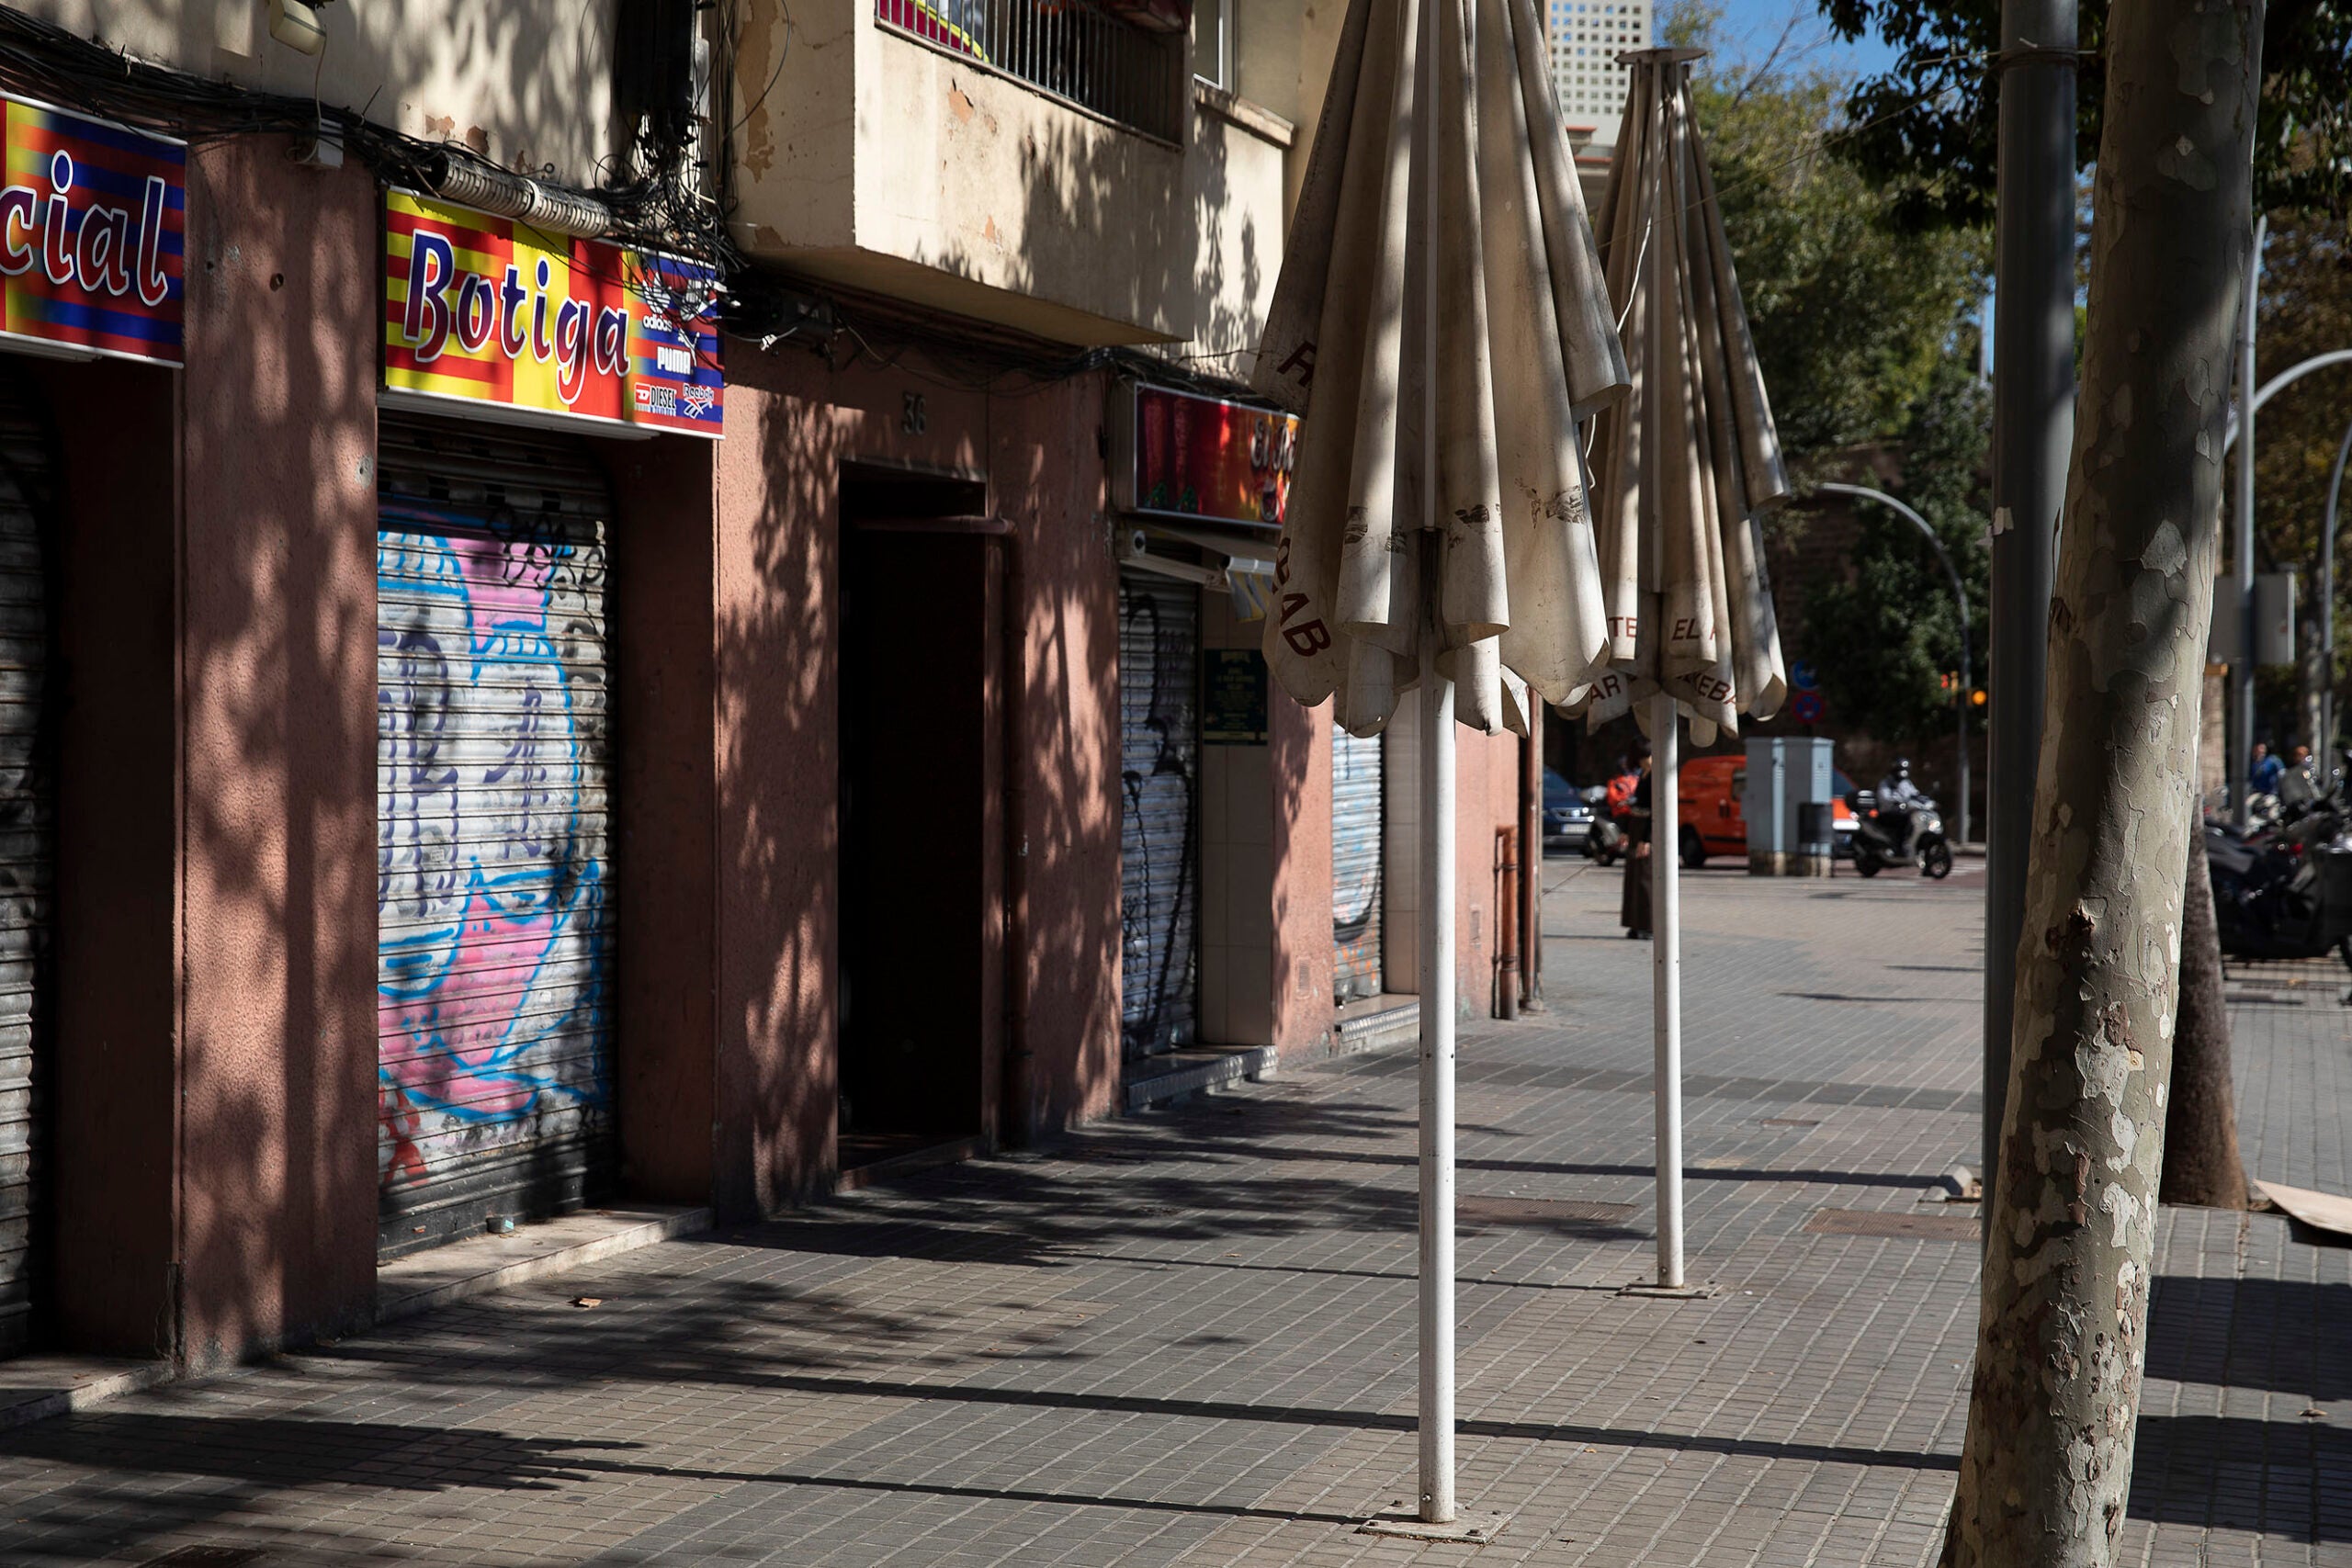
(2241, 719)
(1959, 597)
(2242, 728)
(2034, 435)
(2327, 606)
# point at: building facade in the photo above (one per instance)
(640, 604)
(1587, 37)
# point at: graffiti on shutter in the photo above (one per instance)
(494, 932)
(27, 819)
(1160, 639)
(1356, 892)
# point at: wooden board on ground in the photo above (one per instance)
(2321, 1210)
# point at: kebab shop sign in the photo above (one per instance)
(545, 328)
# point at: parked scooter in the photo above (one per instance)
(1878, 836)
(2283, 888)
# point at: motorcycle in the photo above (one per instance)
(2284, 889)
(1877, 836)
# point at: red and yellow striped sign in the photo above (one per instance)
(91, 234)
(483, 309)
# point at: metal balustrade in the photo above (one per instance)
(1085, 53)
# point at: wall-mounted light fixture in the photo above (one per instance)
(295, 24)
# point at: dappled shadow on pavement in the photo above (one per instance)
(150, 1475)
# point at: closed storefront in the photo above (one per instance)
(26, 814)
(493, 869)
(1160, 656)
(1356, 890)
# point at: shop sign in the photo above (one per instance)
(1233, 696)
(1181, 455)
(516, 323)
(91, 223)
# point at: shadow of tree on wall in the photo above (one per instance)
(525, 82)
(278, 800)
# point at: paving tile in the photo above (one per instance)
(1188, 1338)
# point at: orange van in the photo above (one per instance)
(1710, 796)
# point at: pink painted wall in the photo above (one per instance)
(1300, 740)
(277, 702)
(1045, 475)
(662, 548)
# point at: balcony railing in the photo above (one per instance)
(1078, 51)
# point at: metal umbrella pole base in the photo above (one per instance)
(1476, 1529)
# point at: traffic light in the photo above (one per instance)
(1977, 696)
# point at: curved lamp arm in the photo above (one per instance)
(2280, 383)
(1959, 597)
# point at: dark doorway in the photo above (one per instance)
(915, 839)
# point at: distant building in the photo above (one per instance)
(1587, 38)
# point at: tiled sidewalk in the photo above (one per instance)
(1188, 1338)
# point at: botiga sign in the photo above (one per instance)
(493, 317)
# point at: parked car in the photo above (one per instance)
(1567, 820)
(1714, 823)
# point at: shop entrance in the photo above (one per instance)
(917, 762)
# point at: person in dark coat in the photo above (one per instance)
(1633, 904)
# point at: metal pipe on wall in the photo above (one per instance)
(1507, 875)
(1531, 860)
(2033, 432)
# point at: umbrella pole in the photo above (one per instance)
(1438, 882)
(1666, 977)
(1437, 892)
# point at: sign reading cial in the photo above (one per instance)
(542, 328)
(1183, 454)
(91, 232)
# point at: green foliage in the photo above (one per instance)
(1850, 317)
(1927, 128)
(2305, 308)
(1866, 337)
(1885, 639)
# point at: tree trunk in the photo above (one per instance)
(2202, 1115)
(2060, 1345)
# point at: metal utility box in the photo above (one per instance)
(1787, 774)
(2274, 617)
(1764, 803)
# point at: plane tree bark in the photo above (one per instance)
(2061, 1341)
(2201, 1163)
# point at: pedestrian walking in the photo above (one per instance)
(1634, 905)
(2265, 771)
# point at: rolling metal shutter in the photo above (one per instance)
(1159, 753)
(1356, 893)
(494, 938)
(27, 819)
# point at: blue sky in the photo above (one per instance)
(1750, 28)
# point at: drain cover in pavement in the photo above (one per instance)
(1874, 1222)
(1787, 1121)
(208, 1557)
(1471, 1209)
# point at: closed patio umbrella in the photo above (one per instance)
(1441, 323)
(1682, 467)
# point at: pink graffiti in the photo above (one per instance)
(489, 895)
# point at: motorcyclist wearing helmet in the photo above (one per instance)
(1899, 800)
